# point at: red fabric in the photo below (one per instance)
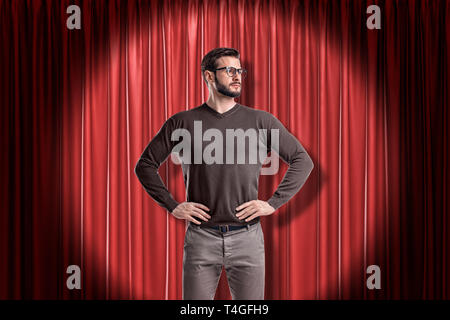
(370, 106)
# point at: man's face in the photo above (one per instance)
(224, 84)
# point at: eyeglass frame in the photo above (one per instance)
(243, 71)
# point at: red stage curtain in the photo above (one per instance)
(79, 106)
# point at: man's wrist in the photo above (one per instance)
(273, 203)
(172, 204)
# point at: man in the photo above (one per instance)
(222, 208)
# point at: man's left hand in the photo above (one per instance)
(253, 209)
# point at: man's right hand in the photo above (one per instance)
(189, 210)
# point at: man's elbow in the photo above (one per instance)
(311, 164)
(306, 162)
(138, 168)
(144, 166)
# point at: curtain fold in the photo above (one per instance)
(79, 106)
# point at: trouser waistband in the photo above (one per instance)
(226, 228)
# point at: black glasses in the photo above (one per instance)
(231, 71)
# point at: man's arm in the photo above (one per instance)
(300, 164)
(156, 152)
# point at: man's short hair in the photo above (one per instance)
(209, 61)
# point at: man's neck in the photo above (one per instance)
(221, 105)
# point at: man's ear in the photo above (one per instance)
(209, 76)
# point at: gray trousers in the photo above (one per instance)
(240, 251)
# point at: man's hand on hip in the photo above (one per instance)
(253, 209)
(189, 210)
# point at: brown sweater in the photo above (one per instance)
(218, 176)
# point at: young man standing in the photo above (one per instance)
(222, 208)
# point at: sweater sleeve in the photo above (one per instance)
(156, 152)
(294, 154)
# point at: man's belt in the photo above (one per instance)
(227, 228)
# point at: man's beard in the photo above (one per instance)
(225, 91)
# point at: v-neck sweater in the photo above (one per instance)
(221, 185)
